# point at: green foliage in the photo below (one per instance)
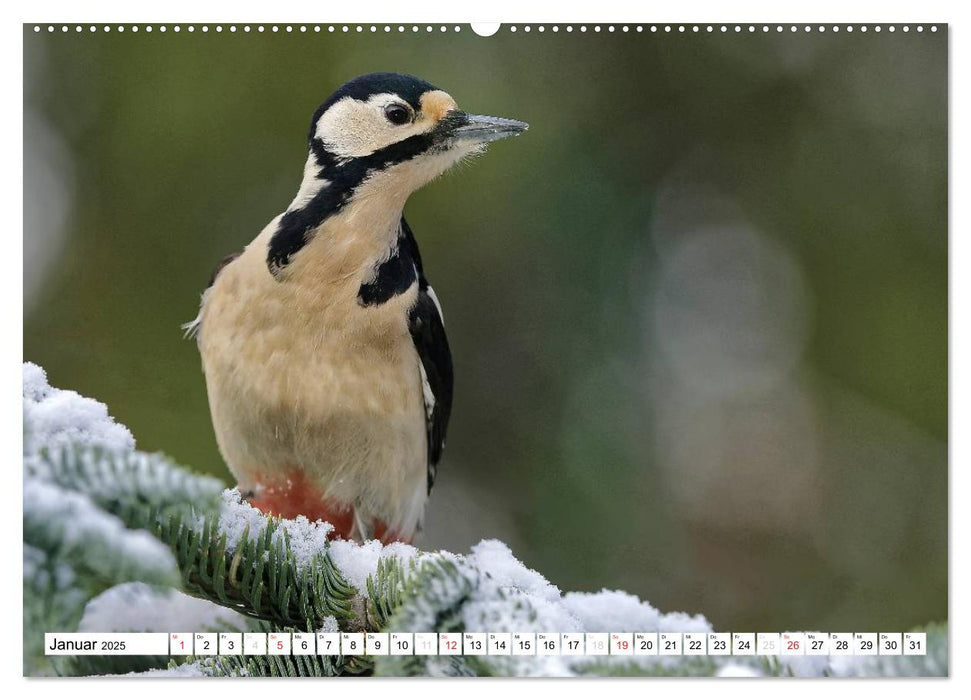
(84, 514)
(430, 599)
(95, 518)
(261, 577)
(385, 592)
(53, 600)
(433, 597)
(285, 666)
(141, 489)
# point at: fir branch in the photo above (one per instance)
(431, 599)
(96, 518)
(101, 550)
(385, 592)
(315, 666)
(433, 596)
(139, 488)
(261, 577)
(53, 599)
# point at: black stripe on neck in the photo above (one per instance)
(343, 179)
(393, 277)
(297, 226)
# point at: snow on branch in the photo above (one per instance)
(103, 521)
(55, 418)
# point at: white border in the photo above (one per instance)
(603, 11)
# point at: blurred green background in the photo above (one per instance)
(698, 312)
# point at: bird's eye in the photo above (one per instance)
(397, 114)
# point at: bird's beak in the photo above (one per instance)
(478, 129)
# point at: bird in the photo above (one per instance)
(327, 367)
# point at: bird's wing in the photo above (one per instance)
(192, 327)
(220, 265)
(428, 333)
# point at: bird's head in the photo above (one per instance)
(376, 140)
(398, 132)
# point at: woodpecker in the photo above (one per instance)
(323, 346)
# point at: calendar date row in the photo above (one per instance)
(491, 643)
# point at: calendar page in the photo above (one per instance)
(527, 349)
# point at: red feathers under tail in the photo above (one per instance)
(294, 496)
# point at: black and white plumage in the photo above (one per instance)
(327, 365)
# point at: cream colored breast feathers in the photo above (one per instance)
(303, 378)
